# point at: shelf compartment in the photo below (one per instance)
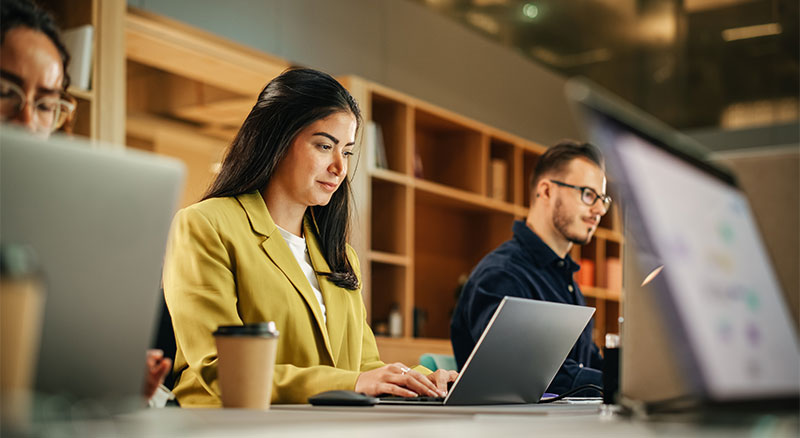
(389, 224)
(449, 153)
(529, 160)
(83, 119)
(69, 14)
(610, 220)
(613, 266)
(598, 332)
(392, 117)
(612, 318)
(500, 181)
(388, 287)
(449, 241)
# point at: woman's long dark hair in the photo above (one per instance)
(287, 105)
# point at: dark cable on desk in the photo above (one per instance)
(572, 391)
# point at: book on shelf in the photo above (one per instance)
(79, 44)
(376, 150)
(498, 177)
(586, 273)
(614, 274)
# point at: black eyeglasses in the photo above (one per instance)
(588, 195)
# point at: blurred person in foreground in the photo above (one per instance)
(33, 84)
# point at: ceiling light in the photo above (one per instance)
(530, 10)
(759, 30)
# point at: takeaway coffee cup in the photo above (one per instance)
(246, 360)
(21, 308)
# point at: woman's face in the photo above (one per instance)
(31, 65)
(317, 161)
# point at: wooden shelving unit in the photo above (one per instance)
(188, 92)
(425, 220)
(101, 109)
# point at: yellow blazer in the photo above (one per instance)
(228, 264)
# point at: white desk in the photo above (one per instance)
(408, 421)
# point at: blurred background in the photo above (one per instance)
(701, 66)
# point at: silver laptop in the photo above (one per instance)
(718, 293)
(518, 354)
(97, 219)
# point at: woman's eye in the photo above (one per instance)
(347, 153)
(46, 106)
(325, 147)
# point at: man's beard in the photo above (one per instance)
(561, 221)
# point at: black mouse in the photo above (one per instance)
(342, 397)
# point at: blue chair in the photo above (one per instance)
(435, 362)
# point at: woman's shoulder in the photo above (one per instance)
(214, 210)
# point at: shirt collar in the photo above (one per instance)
(541, 254)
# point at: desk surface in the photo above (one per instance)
(410, 421)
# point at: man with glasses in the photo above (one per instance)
(33, 83)
(568, 199)
(33, 64)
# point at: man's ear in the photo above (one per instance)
(543, 189)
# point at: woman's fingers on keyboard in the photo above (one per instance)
(393, 389)
(440, 378)
(421, 384)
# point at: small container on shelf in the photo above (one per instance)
(395, 321)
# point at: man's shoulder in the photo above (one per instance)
(507, 257)
(500, 267)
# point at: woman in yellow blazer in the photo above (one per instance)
(268, 243)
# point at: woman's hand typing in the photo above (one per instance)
(398, 379)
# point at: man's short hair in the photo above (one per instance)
(558, 157)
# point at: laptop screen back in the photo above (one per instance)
(97, 220)
(724, 302)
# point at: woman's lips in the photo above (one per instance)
(328, 186)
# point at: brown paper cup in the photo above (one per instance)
(245, 364)
(21, 306)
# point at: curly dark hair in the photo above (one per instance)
(16, 13)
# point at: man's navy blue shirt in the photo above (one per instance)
(524, 267)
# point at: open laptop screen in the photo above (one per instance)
(725, 302)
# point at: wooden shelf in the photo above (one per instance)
(450, 196)
(391, 176)
(607, 234)
(456, 186)
(80, 93)
(388, 258)
(100, 113)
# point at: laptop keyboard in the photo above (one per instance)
(425, 399)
